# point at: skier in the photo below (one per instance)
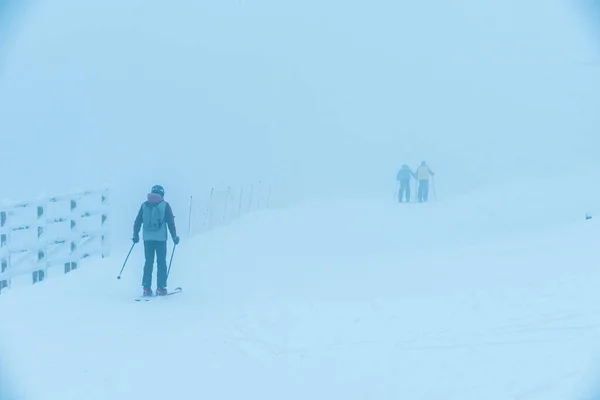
(403, 177)
(155, 215)
(423, 173)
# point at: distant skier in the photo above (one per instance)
(155, 215)
(403, 177)
(423, 173)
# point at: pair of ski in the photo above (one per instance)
(148, 298)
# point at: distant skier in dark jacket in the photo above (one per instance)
(403, 177)
(156, 216)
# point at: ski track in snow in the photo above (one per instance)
(272, 308)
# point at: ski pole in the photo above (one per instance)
(172, 254)
(126, 258)
(433, 187)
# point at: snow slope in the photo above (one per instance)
(356, 298)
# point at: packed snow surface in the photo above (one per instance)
(485, 296)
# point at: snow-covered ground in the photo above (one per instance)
(489, 296)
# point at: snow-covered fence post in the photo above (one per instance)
(42, 243)
(71, 264)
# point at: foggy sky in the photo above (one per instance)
(331, 94)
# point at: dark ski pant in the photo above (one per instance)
(158, 248)
(404, 189)
(423, 191)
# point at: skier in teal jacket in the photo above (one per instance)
(156, 216)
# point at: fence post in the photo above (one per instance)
(190, 218)
(39, 274)
(104, 221)
(74, 229)
(240, 202)
(41, 236)
(208, 207)
(250, 199)
(4, 256)
(226, 204)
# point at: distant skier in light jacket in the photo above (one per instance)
(156, 216)
(423, 174)
(403, 176)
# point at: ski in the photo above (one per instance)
(148, 298)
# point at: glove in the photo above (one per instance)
(135, 238)
(176, 240)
